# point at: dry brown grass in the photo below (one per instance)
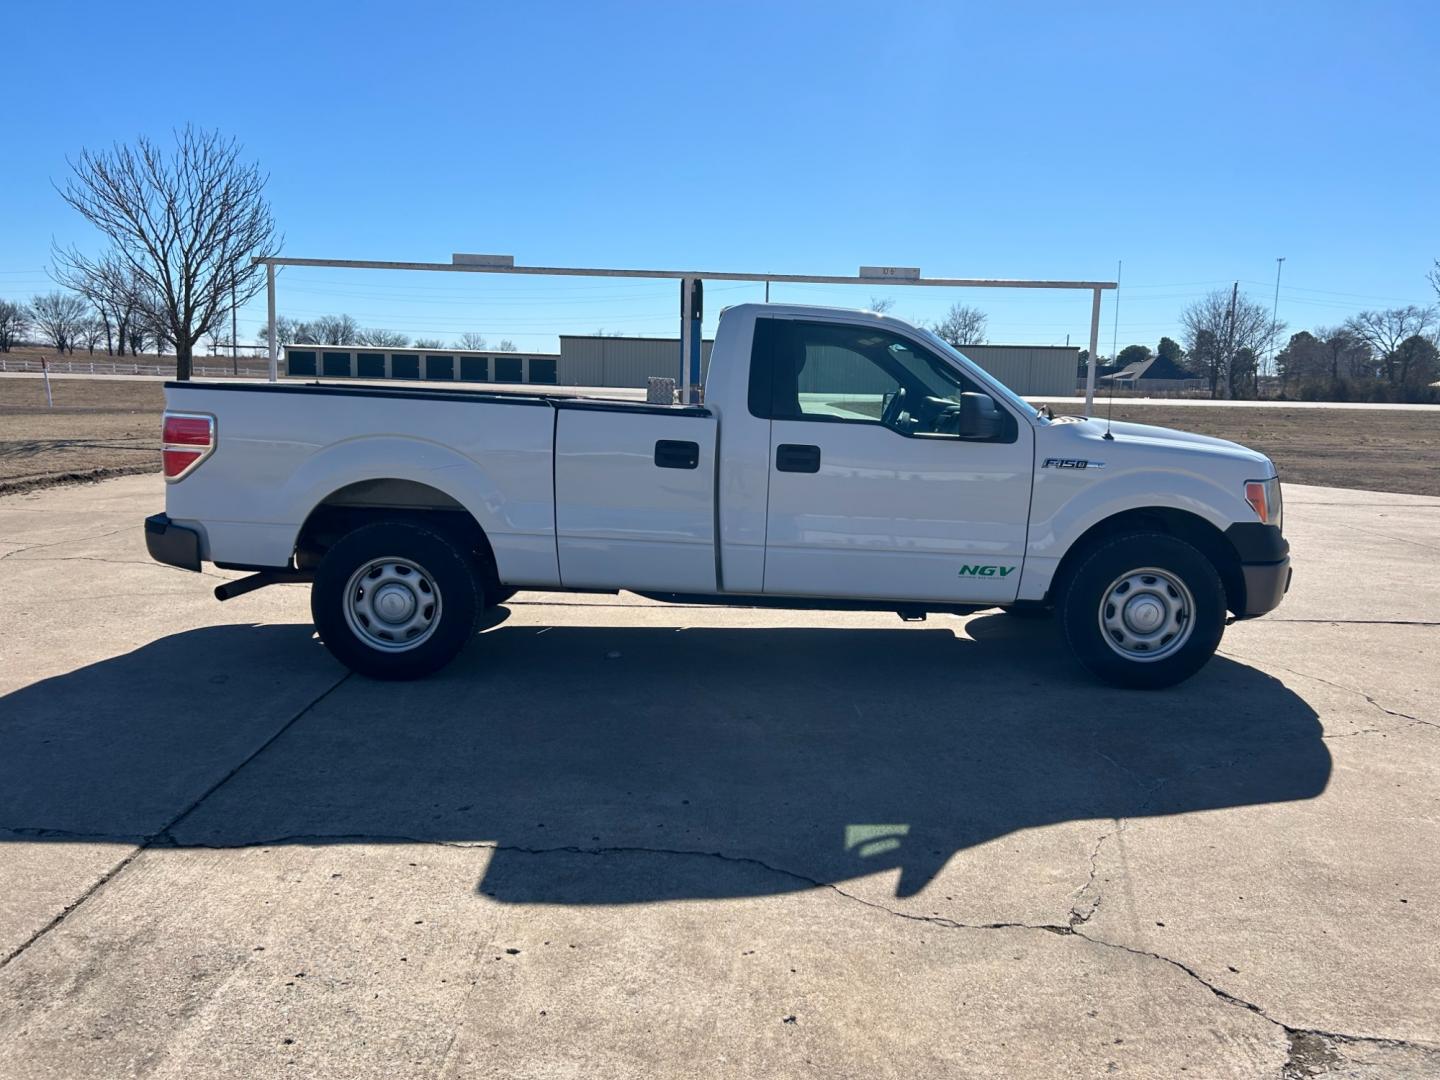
(98, 426)
(1373, 449)
(108, 424)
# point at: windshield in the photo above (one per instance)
(1001, 390)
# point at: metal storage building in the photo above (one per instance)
(597, 360)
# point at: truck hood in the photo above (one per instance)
(1146, 437)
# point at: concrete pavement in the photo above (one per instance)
(619, 838)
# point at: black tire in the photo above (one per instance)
(439, 572)
(1101, 652)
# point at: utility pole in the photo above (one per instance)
(1230, 344)
(1115, 333)
(1275, 311)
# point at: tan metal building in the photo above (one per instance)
(1033, 370)
(593, 360)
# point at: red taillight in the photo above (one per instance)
(177, 461)
(187, 439)
(188, 430)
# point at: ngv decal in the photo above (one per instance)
(1071, 463)
(985, 571)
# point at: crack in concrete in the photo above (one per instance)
(115, 562)
(1340, 686)
(1302, 1048)
(37, 832)
(1358, 622)
(1388, 536)
(60, 543)
(1078, 917)
(164, 832)
(1293, 1032)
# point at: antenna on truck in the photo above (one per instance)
(1114, 355)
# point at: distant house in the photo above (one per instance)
(1156, 373)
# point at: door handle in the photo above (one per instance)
(797, 457)
(677, 454)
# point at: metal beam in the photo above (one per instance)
(1094, 345)
(685, 324)
(270, 300)
(590, 271)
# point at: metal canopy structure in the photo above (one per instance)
(689, 294)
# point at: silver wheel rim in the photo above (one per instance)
(392, 604)
(1147, 615)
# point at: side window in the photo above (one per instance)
(831, 372)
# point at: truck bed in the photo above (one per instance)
(570, 491)
(500, 393)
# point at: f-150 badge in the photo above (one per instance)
(1071, 463)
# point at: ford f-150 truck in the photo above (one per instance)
(841, 460)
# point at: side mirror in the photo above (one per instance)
(980, 417)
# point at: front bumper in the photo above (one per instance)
(1264, 564)
(171, 544)
(1265, 586)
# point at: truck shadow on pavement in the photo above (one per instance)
(780, 758)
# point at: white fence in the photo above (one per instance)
(112, 367)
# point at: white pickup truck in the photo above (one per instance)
(841, 460)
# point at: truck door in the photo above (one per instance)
(874, 492)
(635, 497)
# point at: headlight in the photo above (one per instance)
(1264, 498)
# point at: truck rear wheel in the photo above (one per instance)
(1143, 610)
(395, 601)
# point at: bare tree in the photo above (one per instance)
(1416, 363)
(881, 304)
(286, 332)
(334, 330)
(506, 345)
(1384, 331)
(218, 339)
(1346, 356)
(112, 289)
(14, 324)
(187, 225)
(91, 331)
(58, 316)
(1215, 339)
(1434, 278)
(382, 339)
(962, 325)
(472, 341)
(429, 343)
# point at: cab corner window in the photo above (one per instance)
(833, 372)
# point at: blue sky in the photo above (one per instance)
(983, 140)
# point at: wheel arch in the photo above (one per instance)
(363, 502)
(1182, 524)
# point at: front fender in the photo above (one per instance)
(1066, 504)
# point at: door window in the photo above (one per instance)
(832, 372)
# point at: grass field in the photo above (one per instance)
(99, 427)
(104, 427)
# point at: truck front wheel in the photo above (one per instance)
(1143, 610)
(394, 600)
